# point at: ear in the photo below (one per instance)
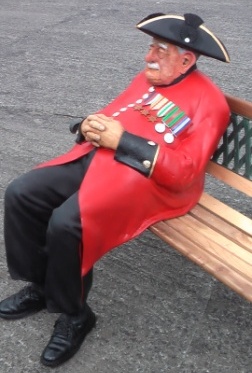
(188, 59)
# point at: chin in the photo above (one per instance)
(151, 76)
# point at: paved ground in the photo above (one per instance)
(157, 312)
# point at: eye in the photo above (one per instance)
(162, 51)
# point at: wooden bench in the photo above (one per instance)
(213, 235)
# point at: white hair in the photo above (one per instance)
(182, 50)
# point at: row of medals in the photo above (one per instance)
(171, 120)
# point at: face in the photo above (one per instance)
(164, 63)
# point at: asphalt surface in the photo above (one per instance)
(157, 312)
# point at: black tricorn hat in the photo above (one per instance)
(187, 32)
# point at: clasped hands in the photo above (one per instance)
(100, 130)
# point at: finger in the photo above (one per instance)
(92, 136)
(97, 125)
(92, 127)
(85, 128)
(102, 116)
(95, 144)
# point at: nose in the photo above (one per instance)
(150, 55)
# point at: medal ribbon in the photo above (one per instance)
(172, 117)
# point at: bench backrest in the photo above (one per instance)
(232, 161)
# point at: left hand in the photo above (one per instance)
(103, 131)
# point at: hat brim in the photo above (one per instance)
(169, 28)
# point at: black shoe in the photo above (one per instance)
(27, 301)
(68, 335)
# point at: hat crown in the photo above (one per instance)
(189, 30)
(193, 20)
(186, 32)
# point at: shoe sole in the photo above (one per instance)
(91, 324)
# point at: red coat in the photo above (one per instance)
(117, 203)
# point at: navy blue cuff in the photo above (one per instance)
(137, 152)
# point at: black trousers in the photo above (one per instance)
(42, 230)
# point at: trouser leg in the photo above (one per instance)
(29, 203)
(65, 290)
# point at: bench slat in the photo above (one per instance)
(215, 222)
(230, 178)
(225, 250)
(226, 213)
(239, 106)
(235, 280)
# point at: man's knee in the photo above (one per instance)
(14, 192)
(23, 190)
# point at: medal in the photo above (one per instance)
(168, 138)
(164, 110)
(158, 97)
(160, 127)
(160, 103)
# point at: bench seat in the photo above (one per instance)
(213, 235)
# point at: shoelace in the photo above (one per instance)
(28, 291)
(63, 326)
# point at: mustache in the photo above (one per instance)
(153, 65)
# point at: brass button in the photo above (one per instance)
(147, 163)
(152, 143)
